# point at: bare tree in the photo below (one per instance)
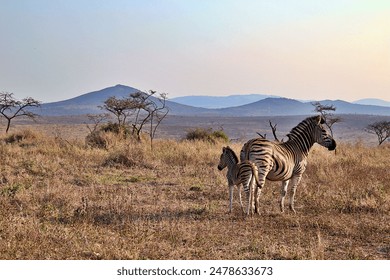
(273, 128)
(381, 129)
(325, 111)
(11, 108)
(143, 111)
(137, 110)
(264, 136)
(158, 113)
(96, 121)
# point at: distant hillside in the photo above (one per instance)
(343, 107)
(373, 101)
(269, 107)
(217, 102)
(88, 104)
(85, 104)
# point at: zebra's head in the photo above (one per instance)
(227, 156)
(222, 160)
(322, 137)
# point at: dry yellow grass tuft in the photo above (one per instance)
(60, 199)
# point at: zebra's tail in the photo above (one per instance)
(256, 174)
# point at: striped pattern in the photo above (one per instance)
(286, 161)
(244, 173)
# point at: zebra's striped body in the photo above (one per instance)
(244, 173)
(286, 161)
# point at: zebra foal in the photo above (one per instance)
(286, 161)
(238, 173)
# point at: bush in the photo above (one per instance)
(116, 128)
(96, 139)
(220, 135)
(119, 159)
(207, 135)
(108, 135)
(199, 134)
(26, 136)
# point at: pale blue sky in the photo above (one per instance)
(307, 49)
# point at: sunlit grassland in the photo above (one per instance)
(60, 199)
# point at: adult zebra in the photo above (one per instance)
(286, 161)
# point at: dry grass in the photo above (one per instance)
(62, 200)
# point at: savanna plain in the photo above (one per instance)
(63, 199)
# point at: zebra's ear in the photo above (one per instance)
(320, 119)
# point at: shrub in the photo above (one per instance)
(107, 135)
(96, 139)
(115, 128)
(199, 134)
(25, 135)
(208, 135)
(119, 159)
(220, 135)
(129, 155)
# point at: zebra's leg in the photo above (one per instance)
(283, 194)
(258, 189)
(248, 191)
(239, 197)
(255, 191)
(252, 189)
(231, 188)
(256, 199)
(294, 182)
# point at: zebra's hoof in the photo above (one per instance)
(293, 209)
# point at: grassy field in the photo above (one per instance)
(60, 199)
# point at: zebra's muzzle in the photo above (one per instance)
(332, 146)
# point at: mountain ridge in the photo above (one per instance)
(218, 102)
(271, 106)
(372, 101)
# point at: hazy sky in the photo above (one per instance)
(305, 49)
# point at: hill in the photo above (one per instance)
(218, 102)
(373, 101)
(88, 104)
(344, 107)
(269, 107)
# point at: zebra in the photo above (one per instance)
(238, 173)
(286, 161)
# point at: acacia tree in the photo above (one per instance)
(158, 112)
(137, 110)
(11, 108)
(149, 110)
(143, 112)
(120, 108)
(381, 129)
(325, 111)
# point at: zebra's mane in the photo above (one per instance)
(302, 127)
(232, 153)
